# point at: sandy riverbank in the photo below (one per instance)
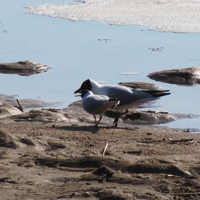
(62, 160)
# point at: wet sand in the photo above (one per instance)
(48, 159)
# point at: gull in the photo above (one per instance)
(129, 97)
(97, 104)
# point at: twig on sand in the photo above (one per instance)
(188, 194)
(189, 140)
(105, 148)
(20, 107)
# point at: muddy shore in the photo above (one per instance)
(44, 158)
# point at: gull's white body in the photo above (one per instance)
(129, 98)
(97, 104)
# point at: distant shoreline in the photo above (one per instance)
(165, 16)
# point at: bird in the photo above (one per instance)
(97, 104)
(129, 97)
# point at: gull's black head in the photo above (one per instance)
(86, 85)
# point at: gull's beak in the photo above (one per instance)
(78, 95)
(77, 91)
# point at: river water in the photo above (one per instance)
(77, 50)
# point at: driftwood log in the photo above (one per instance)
(140, 85)
(186, 76)
(23, 68)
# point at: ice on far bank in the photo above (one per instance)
(161, 15)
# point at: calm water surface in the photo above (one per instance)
(75, 53)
